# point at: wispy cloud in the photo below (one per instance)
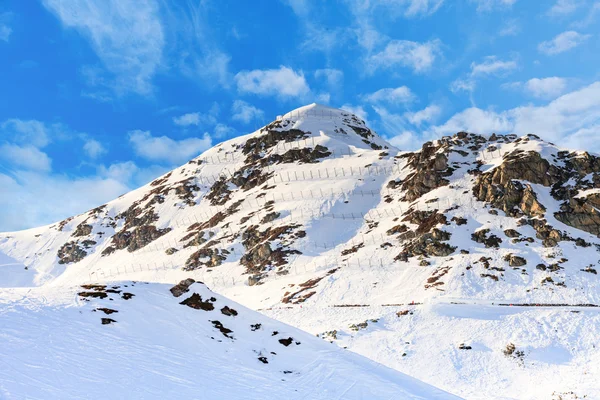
(564, 7)
(399, 95)
(573, 118)
(546, 87)
(26, 157)
(563, 42)
(398, 8)
(245, 112)
(489, 5)
(283, 82)
(198, 118)
(491, 65)
(510, 28)
(5, 29)
(94, 148)
(417, 56)
(165, 149)
(333, 77)
(127, 36)
(427, 115)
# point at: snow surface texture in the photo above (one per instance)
(309, 210)
(152, 347)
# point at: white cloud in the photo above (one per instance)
(165, 149)
(32, 132)
(222, 131)
(397, 95)
(282, 82)
(245, 112)
(5, 32)
(489, 5)
(417, 56)
(546, 87)
(427, 115)
(127, 36)
(407, 140)
(333, 77)
(562, 42)
(20, 205)
(5, 29)
(510, 28)
(359, 111)
(93, 148)
(492, 66)
(571, 119)
(187, 119)
(300, 7)
(396, 8)
(564, 7)
(199, 119)
(590, 16)
(26, 157)
(462, 85)
(474, 120)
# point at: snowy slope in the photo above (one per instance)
(140, 342)
(314, 215)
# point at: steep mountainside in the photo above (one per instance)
(315, 212)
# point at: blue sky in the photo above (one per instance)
(100, 96)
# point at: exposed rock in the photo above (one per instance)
(195, 301)
(254, 280)
(70, 252)
(182, 287)
(512, 233)
(481, 236)
(230, 312)
(82, 230)
(515, 261)
(206, 256)
(259, 253)
(170, 251)
(430, 171)
(136, 239)
(581, 214)
(270, 217)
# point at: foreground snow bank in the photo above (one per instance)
(135, 340)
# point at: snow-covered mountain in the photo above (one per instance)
(409, 258)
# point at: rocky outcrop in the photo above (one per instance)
(428, 245)
(259, 253)
(207, 257)
(82, 229)
(582, 214)
(431, 169)
(70, 252)
(135, 239)
(481, 236)
(515, 261)
(182, 287)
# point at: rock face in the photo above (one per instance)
(182, 287)
(430, 167)
(71, 252)
(581, 214)
(136, 239)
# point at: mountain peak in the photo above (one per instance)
(336, 126)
